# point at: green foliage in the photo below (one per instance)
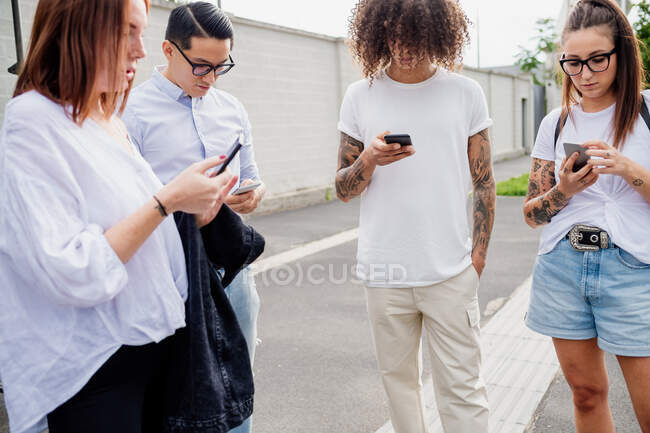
(515, 186)
(642, 30)
(534, 60)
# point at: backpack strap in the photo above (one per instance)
(561, 121)
(644, 112)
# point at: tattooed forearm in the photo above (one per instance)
(542, 178)
(540, 211)
(637, 182)
(480, 165)
(543, 200)
(352, 176)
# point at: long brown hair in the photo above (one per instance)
(629, 74)
(71, 42)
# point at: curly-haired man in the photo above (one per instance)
(417, 254)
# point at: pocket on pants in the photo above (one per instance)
(629, 260)
(473, 314)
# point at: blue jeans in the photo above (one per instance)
(583, 295)
(244, 299)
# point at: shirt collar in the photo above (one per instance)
(167, 87)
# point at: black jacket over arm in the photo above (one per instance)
(210, 382)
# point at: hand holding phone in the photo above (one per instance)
(580, 177)
(570, 149)
(381, 151)
(233, 153)
(246, 188)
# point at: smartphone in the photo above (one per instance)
(570, 149)
(403, 139)
(246, 188)
(237, 148)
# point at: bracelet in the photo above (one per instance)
(160, 207)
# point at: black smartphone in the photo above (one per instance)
(570, 149)
(232, 155)
(402, 139)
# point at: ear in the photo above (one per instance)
(168, 50)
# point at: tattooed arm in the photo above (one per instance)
(480, 166)
(545, 199)
(353, 173)
(357, 164)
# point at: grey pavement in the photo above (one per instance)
(315, 369)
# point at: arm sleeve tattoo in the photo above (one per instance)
(351, 178)
(543, 200)
(484, 196)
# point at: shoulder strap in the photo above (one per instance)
(644, 112)
(561, 121)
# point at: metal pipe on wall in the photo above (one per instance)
(15, 68)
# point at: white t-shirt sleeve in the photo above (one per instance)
(348, 120)
(545, 142)
(480, 118)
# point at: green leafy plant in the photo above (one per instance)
(642, 30)
(534, 60)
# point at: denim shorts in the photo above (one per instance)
(582, 295)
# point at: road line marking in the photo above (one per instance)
(518, 367)
(300, 252)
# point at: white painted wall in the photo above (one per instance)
(291, 83)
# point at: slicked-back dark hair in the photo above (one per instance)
(198, 19)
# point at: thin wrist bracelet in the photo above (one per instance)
(160, 207)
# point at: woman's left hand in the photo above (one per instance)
(612, 162)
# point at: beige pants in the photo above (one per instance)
(450, 314)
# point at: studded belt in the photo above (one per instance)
(588, 238)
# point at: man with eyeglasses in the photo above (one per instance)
(177, 118)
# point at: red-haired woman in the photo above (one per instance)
(92, 271)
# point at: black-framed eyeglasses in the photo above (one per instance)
(597, 63)
(202, 69)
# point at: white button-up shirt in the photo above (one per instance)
(173, 131)
(67, 302)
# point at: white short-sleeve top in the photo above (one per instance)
(611, 203)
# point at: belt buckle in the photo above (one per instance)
(576, 235)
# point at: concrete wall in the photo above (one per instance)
(291, 83)
(513, 130)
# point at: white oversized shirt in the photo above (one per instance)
(67, 301)
(611, 203)
(414, 229)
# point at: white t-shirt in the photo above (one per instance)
(611, 203)
(414, 227)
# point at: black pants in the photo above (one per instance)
(125, 395)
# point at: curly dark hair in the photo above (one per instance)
(437, 29)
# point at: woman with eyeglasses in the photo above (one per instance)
(92, 270)
(591, 282)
